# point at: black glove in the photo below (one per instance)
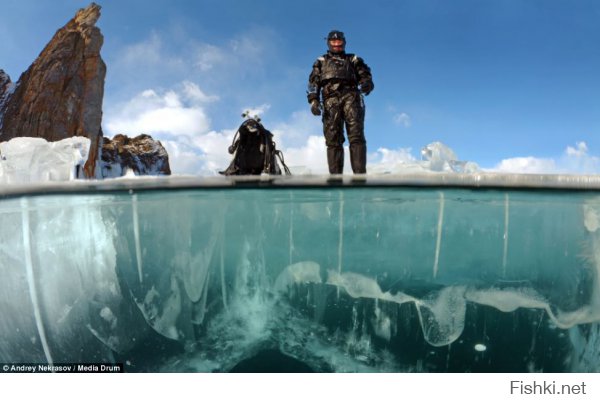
(315, 108)
(366, 87)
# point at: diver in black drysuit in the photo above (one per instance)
(341, 78)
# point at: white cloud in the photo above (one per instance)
(385, 160)
(399, 117)
(574, 160)
(178, 119)
(149, 54)
(194, 94)
(580, 150)
(183, 159)
(175, 112)
(167, 52)
(208, 56)
(296, 131)
(214, 146)
(147, 51)
(203, 155)
(526, 165)
(578, 160)
(309, 158)
(250, 46)
(389, 157)
(240, 57)
(164, 58)
(402, 119)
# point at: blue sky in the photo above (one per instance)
(508, 84)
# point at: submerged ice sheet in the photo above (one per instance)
(342, 279)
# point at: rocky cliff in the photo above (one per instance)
(142, 154)
(61, 95)
(5, 87)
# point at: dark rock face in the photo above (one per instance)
(5, 85)
(60, 96)
(61, 93)
(142, 154)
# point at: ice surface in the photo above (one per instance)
(26, 160)
(435, 157)
(341, 278)
(35, 160)
(440, 157)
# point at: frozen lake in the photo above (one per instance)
(427, 272)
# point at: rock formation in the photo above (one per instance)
(60, 96)
(141, 154)
(5, 86)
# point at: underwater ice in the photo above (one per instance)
(343, 279)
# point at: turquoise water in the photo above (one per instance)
(347, 279)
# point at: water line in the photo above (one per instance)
(31, 280)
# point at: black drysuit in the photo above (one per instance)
(335, 78)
